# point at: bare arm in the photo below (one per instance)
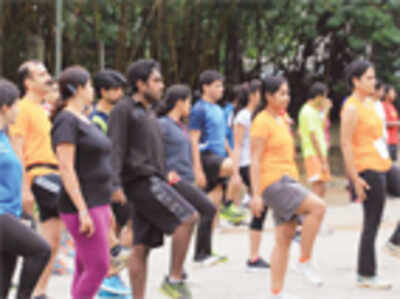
(238, 132)
(257, 147)
(347, 128)
(197, 165)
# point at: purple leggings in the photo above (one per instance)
(92, 255)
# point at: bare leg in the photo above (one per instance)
(255, 242)
(180, 246)
(138, 270)
(314, 210)
(280, 254)
(51, 232)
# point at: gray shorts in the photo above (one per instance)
(284, 197)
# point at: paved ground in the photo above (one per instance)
(336, 259)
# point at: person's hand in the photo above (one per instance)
(361, 187)
(173, 178)
(200, 179)
(86, 225)
(257, 206)
(119, 197)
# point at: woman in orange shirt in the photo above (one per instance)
(367, 160)
(274, 183)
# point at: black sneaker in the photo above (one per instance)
(259, 264)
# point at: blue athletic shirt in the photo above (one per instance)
(100, 119)
(209, 119)
(10, 179)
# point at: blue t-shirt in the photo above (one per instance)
(10, 179)
(100, 119)
(177, 147)
(228, 113)
(209, 119)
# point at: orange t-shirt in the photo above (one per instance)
(369, 148)
(278, 157)
(34, 126)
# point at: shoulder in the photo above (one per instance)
(65, 117)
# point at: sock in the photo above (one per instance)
(304, 260)
(116, 250)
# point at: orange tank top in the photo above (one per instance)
(369, 148)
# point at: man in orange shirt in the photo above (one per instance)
(31, 140)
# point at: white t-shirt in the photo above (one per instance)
(244, 118)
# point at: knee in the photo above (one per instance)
(193, 219)
(319, 210)
(227, 168)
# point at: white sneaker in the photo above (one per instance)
(284, 296)
(392, 249)
(309, 272)
(212, 260)
(373, 283)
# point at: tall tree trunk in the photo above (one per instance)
(122, 34)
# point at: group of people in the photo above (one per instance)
(122, 172)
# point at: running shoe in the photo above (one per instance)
(232, 214)
(107, 295)
(212, 260)
(284, 296)
(308, 271)
(392, 249)
(120, 261)
(115, 285)
(60, 267)
(259, 264)
(374, 282)
(175, 290)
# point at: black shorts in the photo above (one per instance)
(212, 164)
(46, 190)
(245, 175)
(121, 213)
(156, 209)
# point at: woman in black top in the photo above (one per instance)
(83, 152)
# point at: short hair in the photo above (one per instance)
(9, 93)
(141, 70)
(24, 71)
(108, 79)
(208, 77)
(356, 69)
(317, 89)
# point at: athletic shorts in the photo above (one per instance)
(212, 164)
(314, 170)
(245, 175)
(284, 198)
(46, 190)
(156, 209)
(121, 213)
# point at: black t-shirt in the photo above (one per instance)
(138, 150)
(92, 159)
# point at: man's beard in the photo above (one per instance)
(151, 100)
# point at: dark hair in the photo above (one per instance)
(356, 69)
(317, 89)
(386, 89)
(209, 76)
(24, 72)
(69, 81)
(244, 92)
(141, 70)
(174, 93)
(9, 93)
(108, 79)
(270, 84)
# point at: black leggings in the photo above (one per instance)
(17, 239)
(257, 223)
(372, 209)
(199, 200)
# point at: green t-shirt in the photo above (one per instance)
(311, 120)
